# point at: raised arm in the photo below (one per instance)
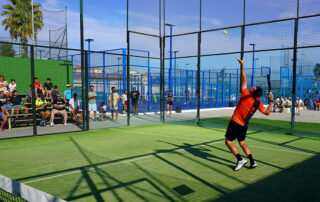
(243, 74)
(268, 110)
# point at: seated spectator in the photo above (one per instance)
(67, 94)
(74, 107)
(59, 107)
(12, 87)
(277, 104)
(286, 104)
(316, 100)
(48, 87)
(4, 86)
(2, 116)
(29, 95)
(41, 108)
(307, 104)
(5, 101)
(102, 111)
(54, 93)
(17, 104)
(299, 103)
(38, 87)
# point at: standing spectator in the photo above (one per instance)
(74, 106)
(113, 102)
(17, 104)
(59, 107)
(102, 111)
(187, 96)
(54, 93)
(2, 116)
(5, 102)
(48, 87)
(299, 103)
(124, 99)
(67, 94)
(286, 104)
(41, 108)
(92, 95)
(169, 102)
(12, 87)
(316, 100)
(29, 95)
(135, 95)
(4, 86)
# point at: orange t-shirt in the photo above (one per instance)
(37, 84)
(246, 107)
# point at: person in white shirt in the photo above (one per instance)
(286, 104)
(113, 102)
(4, 86)
(12, 87)
(74, 107)
(124, 99)
(299, 103)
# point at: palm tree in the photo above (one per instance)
(18, 20)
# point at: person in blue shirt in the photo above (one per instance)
(67, 94)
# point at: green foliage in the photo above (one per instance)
(7, 50)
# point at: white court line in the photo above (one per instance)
(152, 155)
(175, 137)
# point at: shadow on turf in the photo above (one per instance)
(299, 182)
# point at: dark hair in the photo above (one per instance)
(2, 76)
(55, 87)
(257, 93)
(113, 87)
(12, 80)
(14, 91)
(30, 85)
(35, 78)
(49, 79)
(102, 104)
(91, 86)
(75, 94)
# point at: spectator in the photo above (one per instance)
(37, 83)
(54, 93)
(59, 108)
(277, 104)
(29, 95)
(169, 102)
(113, 102)
(17, 104)
(187, 96)
(38, 87)
(307, 104)
(286, 104)
(5, 102)
(124, 99)
(2, 116)
(41, 108)
(48, 87)
(12, 87)
(135, 95)
(4, 86)
(67, 94)
(316, 100)
(74, 107)
(92, 95)
(299, 103)
(102, 111)
(308, 95)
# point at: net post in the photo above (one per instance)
(34, 115)
(198, 79)
(86, 91)
(83, 76)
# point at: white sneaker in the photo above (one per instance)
(51, 124)
(240, 164)
(254, 165)
(65, 124)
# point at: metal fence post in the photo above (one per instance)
(34, 113)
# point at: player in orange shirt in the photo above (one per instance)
(237, 129)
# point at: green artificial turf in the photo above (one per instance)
(168, 162)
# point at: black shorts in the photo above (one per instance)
(134, 102)
(170, 103)
(41, 110)
(236, 130)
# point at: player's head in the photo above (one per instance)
(170, 92)
(256, 92)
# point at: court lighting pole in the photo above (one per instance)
(118, 73)
(170, 67)
(175, 72)
(89, 66)
(253, 63)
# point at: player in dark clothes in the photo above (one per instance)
(237, 129)
(135, 95)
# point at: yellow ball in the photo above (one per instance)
(225, 32)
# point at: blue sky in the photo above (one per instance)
(105, 22)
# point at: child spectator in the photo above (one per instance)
(12, 87)
(67, 94)
(38, 87)
(4, 86)
(102, 111)
(17, 104)
(54, 93)
(124, 99)
(48, 87)
(41, 107)
(2, 116)
(74, 107)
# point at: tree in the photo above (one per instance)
(18, 20)
(6, 49)
(316, 71)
